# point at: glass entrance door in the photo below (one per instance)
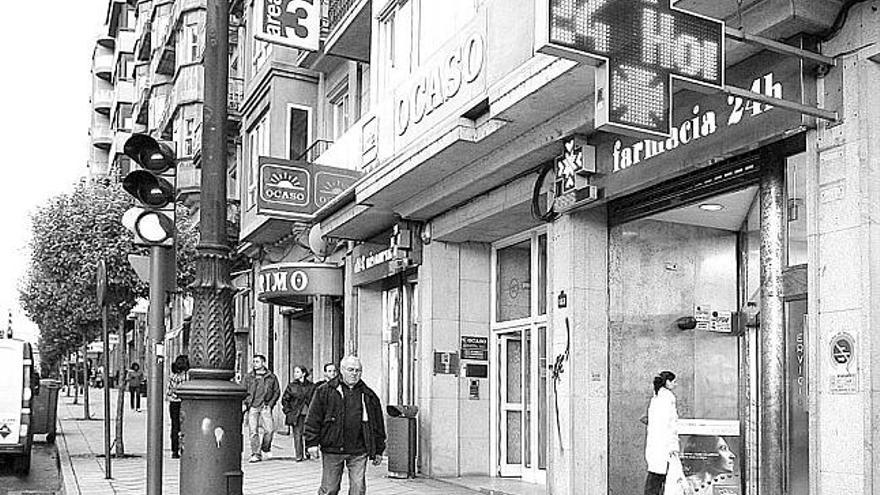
(523, 403)
(519, 340)
(511, 408)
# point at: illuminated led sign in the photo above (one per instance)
(638, 46)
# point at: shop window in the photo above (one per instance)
(298, 131)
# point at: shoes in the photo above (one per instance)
(299, 459)
(267, 454)
(255, 458)
(175, 455)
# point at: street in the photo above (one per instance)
(44, 478)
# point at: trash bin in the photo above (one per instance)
(45, 407)
(402, 444)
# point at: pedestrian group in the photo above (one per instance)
(337, 419)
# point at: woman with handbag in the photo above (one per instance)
(295, 404)
(661, 446)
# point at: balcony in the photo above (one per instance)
(102, 137)
(103, 65)
(125, 41)
(124, 93)
(315, 150)
(102, 99)
(349, 26)
(107, 42)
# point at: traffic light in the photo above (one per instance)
(154, 186)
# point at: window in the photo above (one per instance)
(123, 117)
(339, 111)
(258, 145)
(125, 67)
(363, 90)
(260, 52)
(188, 45)
(189, 132)
(396, 45)
(298, 131)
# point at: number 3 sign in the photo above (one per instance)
(292, 23)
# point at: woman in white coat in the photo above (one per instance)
(662, 441)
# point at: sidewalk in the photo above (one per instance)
(80, 442)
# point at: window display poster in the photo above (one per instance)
(711, 464)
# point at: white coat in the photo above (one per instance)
(662, 437)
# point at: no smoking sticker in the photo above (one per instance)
(842, 349)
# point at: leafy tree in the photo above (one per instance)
(71, 233)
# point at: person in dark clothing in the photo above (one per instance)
(179, 374)
(134, 377)
(330, 373)
(345, 419)
(295, 404)
(262, 394)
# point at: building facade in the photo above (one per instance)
(526, 325)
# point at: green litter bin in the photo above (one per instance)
(45, 407)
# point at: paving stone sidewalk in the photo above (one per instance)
(81, 442)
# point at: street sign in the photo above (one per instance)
(638, 48)
(101, 283)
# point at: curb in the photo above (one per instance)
(69, 484)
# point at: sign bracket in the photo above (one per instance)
(775, 46)
(820, 113)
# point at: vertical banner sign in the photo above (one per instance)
(292, 23)
(638, 47)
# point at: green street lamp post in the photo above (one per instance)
(211, 409)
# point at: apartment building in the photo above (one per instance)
(399, 200)
(149, 78)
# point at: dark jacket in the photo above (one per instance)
(261, 394)
(296, 399)
(324, 423)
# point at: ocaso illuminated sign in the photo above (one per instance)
(639, 46)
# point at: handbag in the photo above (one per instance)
(676, 483)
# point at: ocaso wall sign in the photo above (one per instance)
(284, 283)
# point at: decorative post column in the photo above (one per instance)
(211, 423)
(771, 459)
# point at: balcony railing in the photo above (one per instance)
(315, 150)
(336, 12)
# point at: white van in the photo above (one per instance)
(16, 394)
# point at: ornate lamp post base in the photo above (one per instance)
(211, 443)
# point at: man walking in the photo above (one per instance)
(345, 419)
(329, 374)
(262, 394)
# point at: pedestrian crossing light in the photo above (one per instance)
(154, 186)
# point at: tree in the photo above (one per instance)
(71, 233)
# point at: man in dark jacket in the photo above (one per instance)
(262, 394)
(345, 419)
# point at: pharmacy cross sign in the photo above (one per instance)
(638, 46)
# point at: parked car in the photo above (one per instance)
(18, 385)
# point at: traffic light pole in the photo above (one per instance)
(156, 368)
(211, 402)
